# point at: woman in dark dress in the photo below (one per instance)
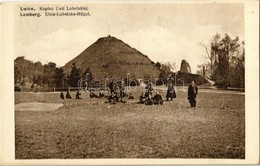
(170, 92)
(192, 93)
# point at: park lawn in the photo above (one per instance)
(91, 128)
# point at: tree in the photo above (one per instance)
(225, 51)
(49, 73)
(23, 70)
(26, 71)
(223, 60)
(158, 65)
(38, 73)
(166, 69)
(211, 54)
(59, 77)
(74, 76)
(237, 67)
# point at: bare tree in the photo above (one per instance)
(211, 55)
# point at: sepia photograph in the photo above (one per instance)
(156, 80)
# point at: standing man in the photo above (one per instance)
(192, 93)
(121, 89)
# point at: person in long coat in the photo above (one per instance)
(192, 94)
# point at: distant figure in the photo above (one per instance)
(192, 93)
(125, 94)
(170, 92)
(119, 98)
(121, 90)
(157, 98)
(111, 98)
(131, 96)
(61, 95)
(142, 98)
(147, 94)
(149, 87)
(101, 94)
(77, 95)
(68, 95)
(93, 95)
(111, 87)
(115, 96)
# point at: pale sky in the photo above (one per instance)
(165, 32)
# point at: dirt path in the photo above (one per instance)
(37, 106)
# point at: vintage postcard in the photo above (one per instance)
(113, 82)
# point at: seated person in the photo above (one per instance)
(116, 97)
(121, 93)
(93, 95)
(142, 98)
(120, 97)
(101, 94)
(147, 94)
(148, 99)
(68, 95)
(125, 94)
(157, 99)
(61, 95)
(131, 96)
(111, 98)
(77, 95)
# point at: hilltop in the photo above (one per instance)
(111, 57)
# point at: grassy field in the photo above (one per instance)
(91, 128)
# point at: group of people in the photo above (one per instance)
(68, 96)
(147, 98)
(117, 94)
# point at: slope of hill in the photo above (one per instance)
(111, 57)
